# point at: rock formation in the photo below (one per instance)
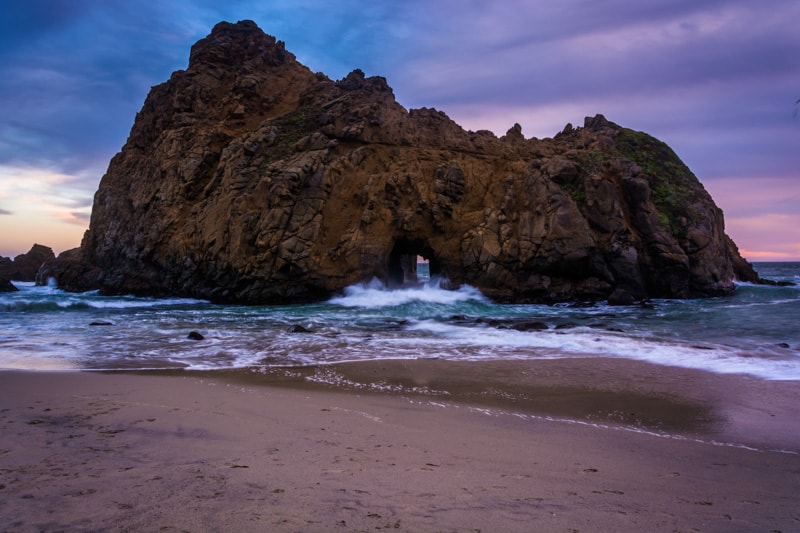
(248, 178)
(71, 271)
(6, 285)
(25, 266)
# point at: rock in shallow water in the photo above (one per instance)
(621, 297)
(248, 178)
(530, 326)
(7, 286)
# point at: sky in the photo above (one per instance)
(717, 80)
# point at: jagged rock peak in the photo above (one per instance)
(237, 75)
(233, 45)
(515, 133)
(356, 80)
(596, 123)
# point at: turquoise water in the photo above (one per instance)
(754, 331)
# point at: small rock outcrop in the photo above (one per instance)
(71, 271)
(7, 286)
(25, 266)
(249, 178)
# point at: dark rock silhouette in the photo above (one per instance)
(7, 286)
(530, 326)
(248, 178)
(25, 266)
(621, 297)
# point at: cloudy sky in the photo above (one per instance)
(717, 80)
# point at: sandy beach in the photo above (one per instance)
(419, 446)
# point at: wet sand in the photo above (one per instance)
(567, 445)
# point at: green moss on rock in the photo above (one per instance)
(294, 126)
(671, 182)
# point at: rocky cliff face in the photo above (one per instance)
(249, 178)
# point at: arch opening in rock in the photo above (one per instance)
(402, 266)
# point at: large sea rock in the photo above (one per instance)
(249, 178)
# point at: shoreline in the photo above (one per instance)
(406, 445)
(734, 408)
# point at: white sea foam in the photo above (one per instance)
(587, 342)
(375, 294)
(133, 302)
(753, 332)
(31, 296)
(41, 361)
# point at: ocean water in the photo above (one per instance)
(756, 331)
